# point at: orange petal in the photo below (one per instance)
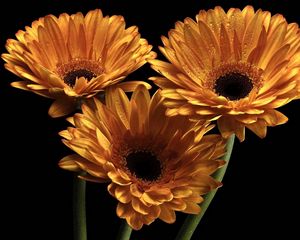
(65, 134)
(135, 191)
(154, 212)
(140, 207)
(57, 37)
(167, 214)
(130, 86)
(177, 204)
(117, 100)
(274, 118)
(228, 126)
(157, 196)
(121, 193)
(102, 140)
(135, 125)
(181, 192)
(116, 178)
(69, 163)
(209, 167)
(124, 210)
(61, 107)
(192, 208)
(135, 221)
(259, 128)
(252, 33)
(225, 44)
(92, 179)
(21, 85)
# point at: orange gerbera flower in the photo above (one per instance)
(75, 56)
(236, 67)
(155, 165)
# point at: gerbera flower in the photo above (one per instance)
(155, 165)
(236, 67)
(75, 56)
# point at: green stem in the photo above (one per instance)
(124, 232)
(79, 215)
(192, 221)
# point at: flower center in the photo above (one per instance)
(233, 85)
(144, 165)
(77, 68)
(70, 77)
(234, 81)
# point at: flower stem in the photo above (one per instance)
(79, 215)
(124, 232)
(192, 221)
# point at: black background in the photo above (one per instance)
(259, 197)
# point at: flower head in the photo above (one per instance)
(155, 165)
(75, 56)
(235, 67)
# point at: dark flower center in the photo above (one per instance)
(233, 86)
(144, 165)
(70, 77)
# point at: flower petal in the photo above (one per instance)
(167, 214)
(61, 107)
(69, 163)
(192, 208)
